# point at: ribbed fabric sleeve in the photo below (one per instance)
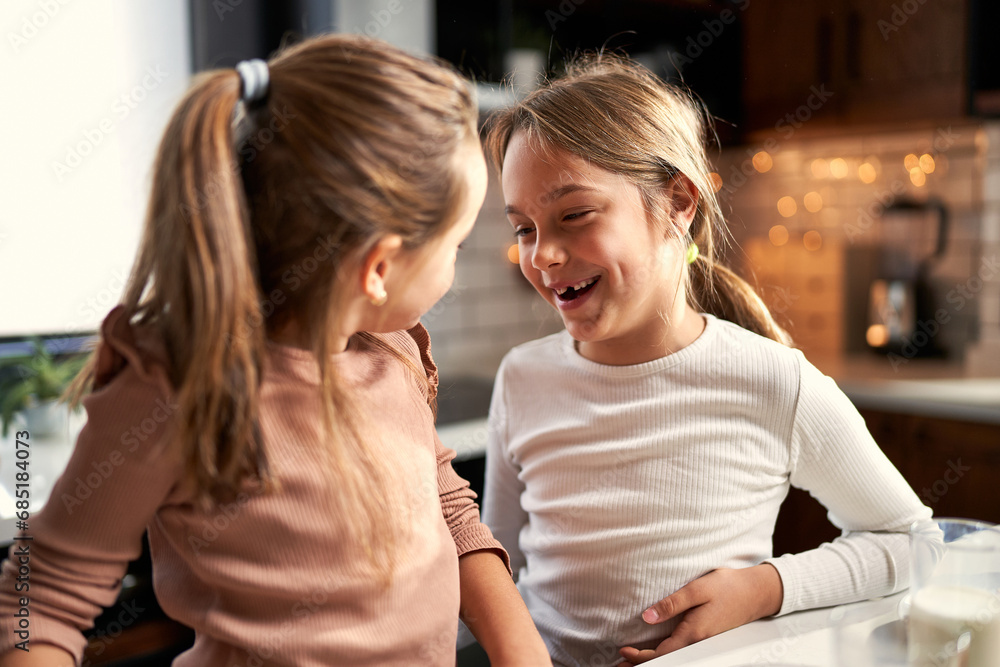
(267, 579)
(613, 486)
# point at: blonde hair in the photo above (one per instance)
(356, 140)
(615, 113)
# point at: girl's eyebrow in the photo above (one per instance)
(553, 195)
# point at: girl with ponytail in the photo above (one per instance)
(262, 400)
(637, 460)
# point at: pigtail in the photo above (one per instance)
(711, 286)
(715, 289)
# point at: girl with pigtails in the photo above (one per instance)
(299, 506)
(637, 459)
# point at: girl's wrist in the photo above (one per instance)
(772, 591)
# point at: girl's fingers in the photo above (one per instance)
(635, 656)
(685, 598)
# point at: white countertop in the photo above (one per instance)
(965, 399)
(802, 639)
(467, 438)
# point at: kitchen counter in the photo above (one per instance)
(926, 387)
(971, 399)
(827, 637)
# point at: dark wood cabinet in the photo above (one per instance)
(954, 466)
(853, 61)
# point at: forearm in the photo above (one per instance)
(856, 566)
(494, 612)
(42, 655)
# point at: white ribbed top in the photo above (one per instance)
(613, 486)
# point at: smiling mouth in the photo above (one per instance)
(576, 291)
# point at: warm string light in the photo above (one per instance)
(762, 161)
(787, 206)
(778, 235)
(813, 202)
(716, 181)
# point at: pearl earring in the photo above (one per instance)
(380, 298)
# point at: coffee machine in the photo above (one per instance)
(901, 304)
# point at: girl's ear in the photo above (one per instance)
(684, 201)
(377, 265)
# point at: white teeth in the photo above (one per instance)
(579, 286)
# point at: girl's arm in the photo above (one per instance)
(95, 517)
(835, 459)
(493, 610)
(838, 462)
(42, 655)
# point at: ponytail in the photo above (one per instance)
(715, 289)
(355, 140)
(193, 283)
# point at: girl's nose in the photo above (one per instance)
(548, 253)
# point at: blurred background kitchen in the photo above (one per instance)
(857, 157)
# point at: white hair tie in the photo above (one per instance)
(254, 77)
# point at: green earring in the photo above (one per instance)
(692, 253)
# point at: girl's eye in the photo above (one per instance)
(576, 215)
(523, 231)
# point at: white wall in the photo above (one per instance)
(409, 24)
(88, 86)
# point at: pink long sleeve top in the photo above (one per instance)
(266, 579)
